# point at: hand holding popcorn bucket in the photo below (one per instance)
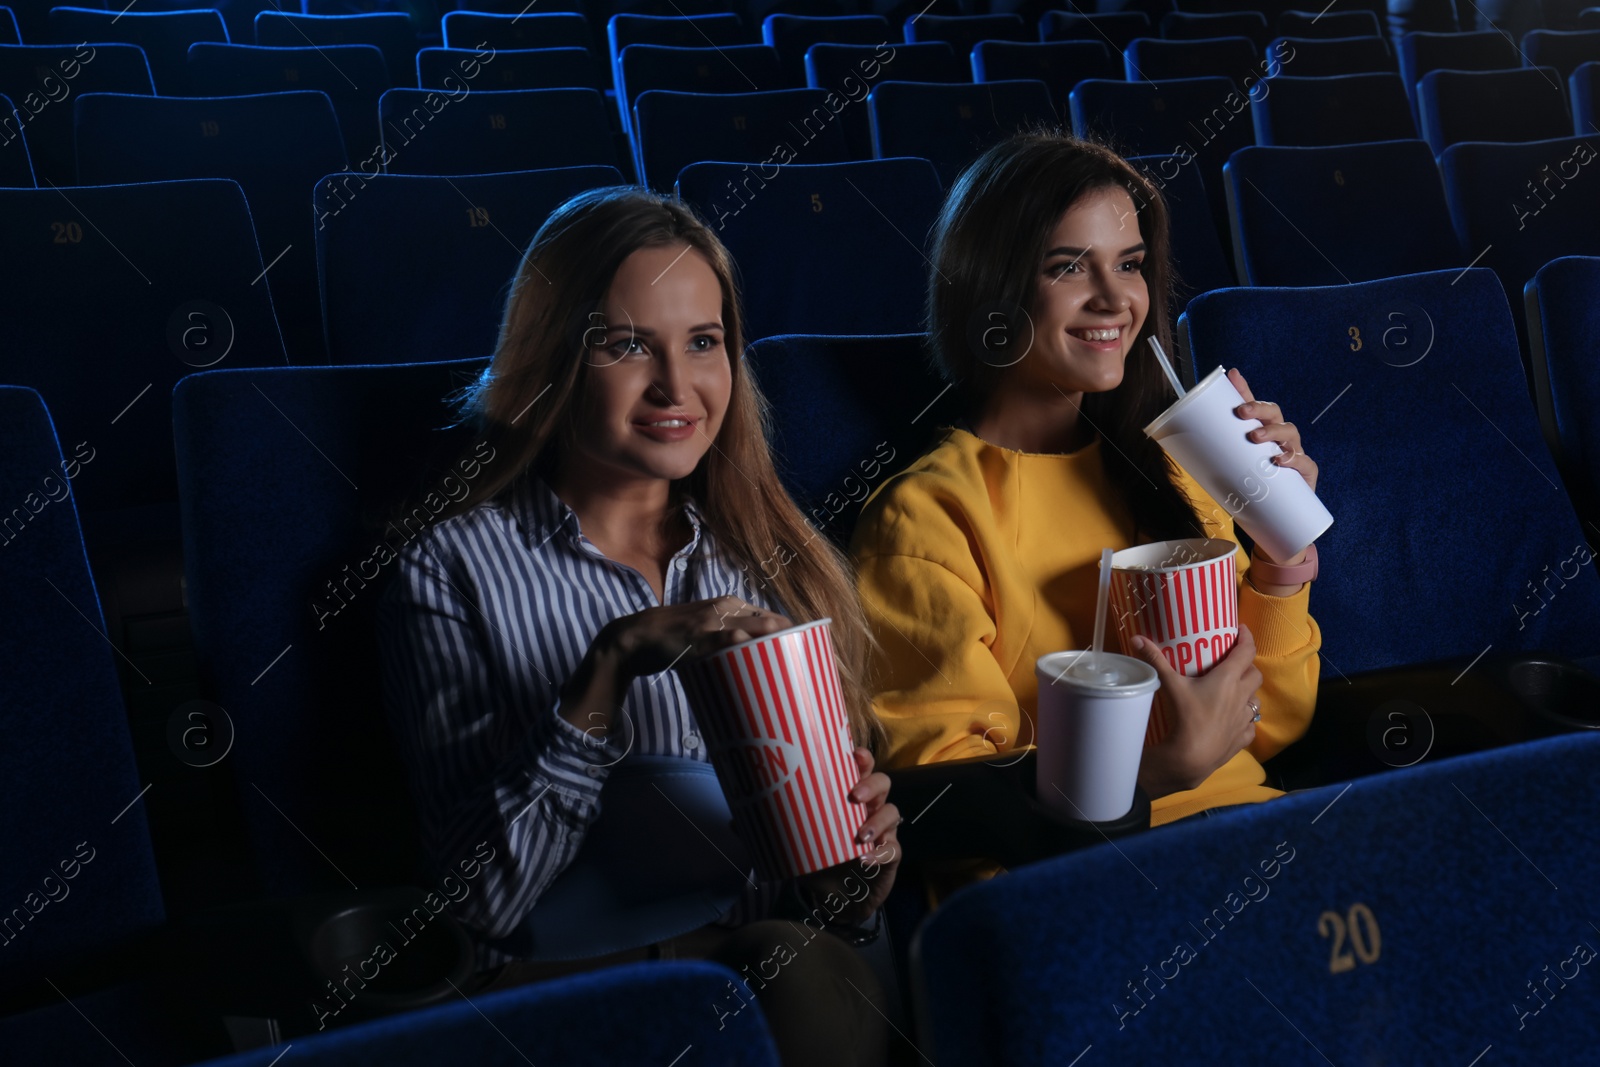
(1183, 597)
(773, 715)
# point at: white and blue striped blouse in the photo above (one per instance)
(489, 613)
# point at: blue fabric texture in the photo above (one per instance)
(671, 1008)
(1297, 931)
(290, 480)
(414, 268)
(847, 412)
(792, 35)
(1451, 528)
(1565, 296)
(1341, 213)
(275, 145)
(736, 68)
(16, 168)
(79, 874)
(91, 332)
(833, 248)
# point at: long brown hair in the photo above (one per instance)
(989, 241)
(526, 404)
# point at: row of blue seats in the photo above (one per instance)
(258, 449)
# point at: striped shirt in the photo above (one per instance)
(488, 615)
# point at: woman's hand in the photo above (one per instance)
(1273, 428)
(651, 641)
(655, 639)
(1210, 717)
(863, 884)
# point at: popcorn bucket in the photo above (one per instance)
(773, 715)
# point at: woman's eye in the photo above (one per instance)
(1056, 271)
(1134, 266)
(703, 343)
(627, 346)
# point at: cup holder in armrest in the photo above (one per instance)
(1396, 717)
(319, 961)
(986, 807)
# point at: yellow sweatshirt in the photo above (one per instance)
(977, 560)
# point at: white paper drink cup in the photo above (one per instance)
(773, 715)
(1091, 735)
(1183, 597)
(1273, 504)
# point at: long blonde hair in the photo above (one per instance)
(527, 402)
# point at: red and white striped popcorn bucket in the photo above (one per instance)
(773, 716)
(1183, 596)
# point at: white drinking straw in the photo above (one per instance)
(1166, 365)
(1100, 607)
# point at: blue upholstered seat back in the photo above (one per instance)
(77, 872)
(289, 481)
(671, 1010)
(416, 268)
(1422, 916)
(833, 248)
(1452, 531)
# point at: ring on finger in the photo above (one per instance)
(1255, 709)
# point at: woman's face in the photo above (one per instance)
(1090, 297)
(658, 380)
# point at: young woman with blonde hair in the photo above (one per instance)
(530, 634)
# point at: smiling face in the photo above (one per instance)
(1090, 296)
(658, 378)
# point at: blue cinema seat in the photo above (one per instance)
(847, 413)
(951, 125)
(1305, 921)
(670, 1008)
(474, 29)
(1352, 109)
(740, 68)
(79, 874)
(835, 248)
(282, 608)
(1422, 52)
(391, 32)
(963, 32)
(165, 37)
(1061, 65)
(1565, 50)
(1320, 57)
(1329, 24)
(1527, 104)
(416, 268)
(275, 145)
(1563, 307)
(1442, 347)
(1153, 59)
(521, 68)
(792, 35)
(1518, 206)
(492, 132)
(768, 131)
(1199, 258)
(851, 70)
(43, 77)
(353, 76)
(1189, 26)
(1115, 29)
(1339, 213)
